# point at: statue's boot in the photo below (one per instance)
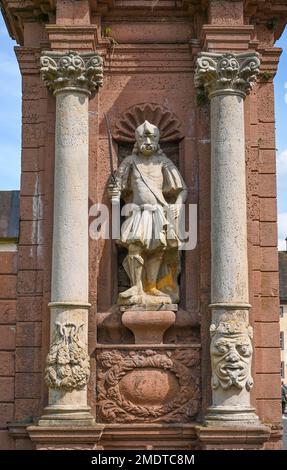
(153, 268)
(157, 292)
(133, 265)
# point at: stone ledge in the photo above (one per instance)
(235, 437)
(114, 437)
(149, 436)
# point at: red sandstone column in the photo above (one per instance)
(72, 77)
(226, 79)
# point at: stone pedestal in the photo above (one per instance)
(148, 327)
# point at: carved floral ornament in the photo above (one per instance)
(219, 73)
(72, 71)
(231, 354)
(67, 364)
(148, 386)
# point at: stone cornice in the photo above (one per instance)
(131, 58)
(73, 37)
(273, 12)
(220, 38)
(28, 59)
(226, 73)
(71, 71)
(17, 12)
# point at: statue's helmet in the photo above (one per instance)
(147, 137)
(148, 129)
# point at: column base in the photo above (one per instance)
(236, 437)
(70, 437)
(231, 415)
(66, 416)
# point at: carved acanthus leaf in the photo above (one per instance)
(82, 72)
(226, 72)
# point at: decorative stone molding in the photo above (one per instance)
(72, 71)
(231, 354)
(67, 365)
(148, 386)
(226, 73)
(166, 121)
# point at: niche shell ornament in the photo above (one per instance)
(67, 364)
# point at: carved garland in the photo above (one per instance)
(114, 365)
(67, 364)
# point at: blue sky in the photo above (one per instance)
(280, 83)
(10, 113)
(10, 124)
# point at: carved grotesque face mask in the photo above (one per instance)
(147, 137)
(231, 356)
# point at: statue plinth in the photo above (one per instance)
(148, 326)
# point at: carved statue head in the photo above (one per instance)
(147, 137)
(231, 352)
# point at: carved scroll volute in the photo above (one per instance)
(71, 71)
(226, 73)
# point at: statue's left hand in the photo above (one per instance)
(175, 210)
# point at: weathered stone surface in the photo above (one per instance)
(152, 230)
(149, 70)
(126, 379)
(82, 72)
(219, 73)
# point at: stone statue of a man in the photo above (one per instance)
(154, 190)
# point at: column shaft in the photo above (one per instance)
(228, 201)
(69, 296)
(70, 230)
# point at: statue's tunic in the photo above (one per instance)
(150, 184)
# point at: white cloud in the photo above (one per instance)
(281, 244)
(282, 163)
(282, 225)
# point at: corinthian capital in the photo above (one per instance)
(226, 73)
(72, 71)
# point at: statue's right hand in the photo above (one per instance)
(114, 191)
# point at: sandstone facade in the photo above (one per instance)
(149, 52)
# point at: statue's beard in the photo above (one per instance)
(148, 149)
